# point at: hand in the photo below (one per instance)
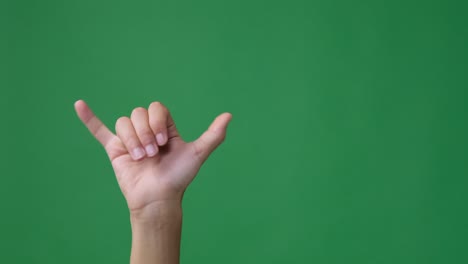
(152, 163)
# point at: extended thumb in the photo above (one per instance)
(213, 137)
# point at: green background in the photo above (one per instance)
(348, 142)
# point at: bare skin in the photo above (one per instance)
(154, 166)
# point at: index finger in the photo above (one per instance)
(92, 122)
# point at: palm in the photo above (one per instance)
(156, 178)
(162, 177)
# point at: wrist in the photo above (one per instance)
(157, 212)
(156, 232)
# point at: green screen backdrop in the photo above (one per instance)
(348, 142)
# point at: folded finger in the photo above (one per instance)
(158, 117)
(127, 134)
(140, 122)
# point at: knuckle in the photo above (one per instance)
(138, 110)
(121, 120)
(158, 106)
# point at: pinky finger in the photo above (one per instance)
(92, 122)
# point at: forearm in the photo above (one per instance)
(156, 232)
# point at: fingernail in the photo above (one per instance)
(138, 153)
(151, 150)
(161, 139)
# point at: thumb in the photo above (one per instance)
(212, 137)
